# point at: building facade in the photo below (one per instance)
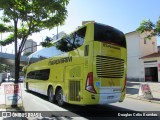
(30, 47)
(141, 63)
(152, 67)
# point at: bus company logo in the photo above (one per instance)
(60, 61)
(110, 46)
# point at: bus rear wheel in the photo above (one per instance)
(27, 87)
(59, 97)
(50, 95)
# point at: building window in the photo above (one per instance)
(145, 41)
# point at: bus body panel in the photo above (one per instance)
(71, 71)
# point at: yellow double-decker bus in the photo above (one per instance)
(86, 67)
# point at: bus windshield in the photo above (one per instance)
(109, 34)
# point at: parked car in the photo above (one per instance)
(9, 79)
(21, 78)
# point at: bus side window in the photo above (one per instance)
(80, 35)
(72, 42)
(39, 74)
(86, 50)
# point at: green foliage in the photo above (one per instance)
(147, 25)
(3, 28)
(4, 68)
(32, 15)
(158, 27)
(48, 42)
(8, 40)
(27, 17)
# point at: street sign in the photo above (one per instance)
(13, 94)
(145, 91)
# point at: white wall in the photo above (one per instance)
(133, 44)
(136, 50)
(134, 65)
(150, 46)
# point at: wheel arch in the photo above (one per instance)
(49, 87)
(57, 88)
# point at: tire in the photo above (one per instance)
(51, 95)
(59, 97)
(27, 87)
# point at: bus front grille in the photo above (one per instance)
(74, 90)
(109, 67)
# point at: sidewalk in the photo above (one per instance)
(132, 91)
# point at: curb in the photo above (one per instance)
(142, 99)
(11, 108)
(2, 106)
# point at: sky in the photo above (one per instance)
(125, 15)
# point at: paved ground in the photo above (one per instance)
(132, 92)
(2, 98)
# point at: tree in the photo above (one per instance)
(149, 26)
(4, 68)
(23, 17)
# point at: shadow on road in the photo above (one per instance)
(88, 111)
(156, 99)
(91, 112)
(132, 91)
(131, 84)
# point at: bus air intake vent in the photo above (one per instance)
(74, 90)
(109, 67)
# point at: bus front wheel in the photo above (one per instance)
(50, 95)
(27, 87)
(59, 97)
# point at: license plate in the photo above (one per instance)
(110, 97)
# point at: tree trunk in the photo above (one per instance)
(17, 59)
(17, 67)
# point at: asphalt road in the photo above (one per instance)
(130, 107)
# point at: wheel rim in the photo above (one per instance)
(60, 97)
(50, 94)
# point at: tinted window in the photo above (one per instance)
(109, 34)
(72, 41)
(66, 44)
(39, 74)
(44, 54)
